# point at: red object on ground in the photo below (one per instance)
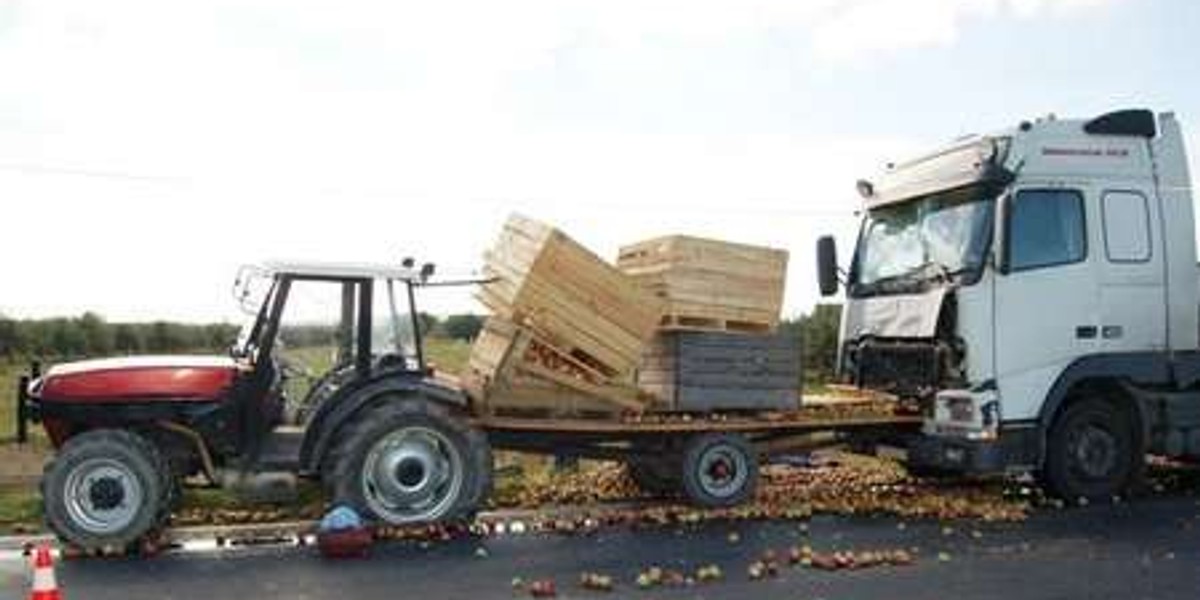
(345, 543)
(173, 378)
(44, 585)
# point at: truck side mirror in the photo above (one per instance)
(827, 270)
(1000, 240)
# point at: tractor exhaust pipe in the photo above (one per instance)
(23, 413)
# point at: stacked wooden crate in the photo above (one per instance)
(567, 330)
(710, 285)
(695, 371)
(717, 348)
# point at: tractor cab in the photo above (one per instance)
(315, 326)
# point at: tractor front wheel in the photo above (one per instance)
(106, 489)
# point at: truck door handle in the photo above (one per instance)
(1085, 332)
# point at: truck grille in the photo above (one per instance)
(901, 367)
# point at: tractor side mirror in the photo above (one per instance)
(827, 269)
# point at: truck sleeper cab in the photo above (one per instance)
(1036, 291)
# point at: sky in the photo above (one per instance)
(147, 149)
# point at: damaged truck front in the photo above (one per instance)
(917, 296)
(1034, 292)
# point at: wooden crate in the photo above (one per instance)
(513, 371)
(710, 284)
(703, 371)
(569, 298)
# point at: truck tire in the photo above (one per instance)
(106, 489)
(656, 475)
(1091, 453)
(409, 460)
(719, 470)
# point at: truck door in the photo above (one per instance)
(1130, 261)
(1047, 306)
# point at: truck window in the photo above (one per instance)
(1126, 227)
(1046, 228)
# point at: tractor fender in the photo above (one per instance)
(343, 405)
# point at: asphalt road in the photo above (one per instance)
(1147, 549)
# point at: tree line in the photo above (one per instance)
(91, 335)
(818, 331)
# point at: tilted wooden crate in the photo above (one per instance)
(567, 329)
(569, 297)
(511, 370)
(710, 284)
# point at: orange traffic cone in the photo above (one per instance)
(44, 585)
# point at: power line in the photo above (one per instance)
(36, 169)
(92, 173)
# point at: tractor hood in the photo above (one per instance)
(137, 378)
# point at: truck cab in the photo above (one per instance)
(1035, 291)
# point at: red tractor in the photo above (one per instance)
(375, 427)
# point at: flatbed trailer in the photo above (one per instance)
(712, 459)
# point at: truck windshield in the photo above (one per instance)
(939, 236)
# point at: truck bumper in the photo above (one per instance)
(958, 456)
(1016, 448)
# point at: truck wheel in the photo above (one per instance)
(656, 475)
(107, 488)
(1090, 452)
(719, 470)
(410, 461)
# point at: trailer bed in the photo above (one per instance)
(788, 423)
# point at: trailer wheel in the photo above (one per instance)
(656, 475)
(106, 489)
(1090, 452)
(408, 460)
(719, 469)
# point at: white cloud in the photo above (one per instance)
(862, 29)
(361, 130)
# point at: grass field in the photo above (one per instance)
(9, 373)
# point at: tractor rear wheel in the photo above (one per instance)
(409, 460)
(106, 489)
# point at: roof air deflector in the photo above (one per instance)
(1136, 122)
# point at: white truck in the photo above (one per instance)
(1036, 290)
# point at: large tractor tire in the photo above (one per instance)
(409, 460)
(106, 489)
(720, 470)
(1091, 452)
